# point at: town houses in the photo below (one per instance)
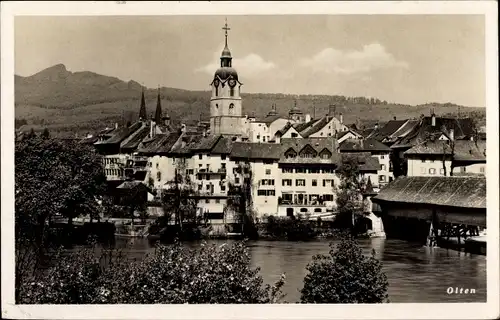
(290, 162)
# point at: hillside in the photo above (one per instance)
(81, 101)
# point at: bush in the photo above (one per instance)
(290, 228)
(172, 274)
(345, 276)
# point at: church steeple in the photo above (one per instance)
(142, 111)
(225, 59)
(158, 108)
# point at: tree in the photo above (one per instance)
(170, 274)
(52, 177)
(240, 202)
(344, 276)
(349, 198)
(179, 199)
(45, 133)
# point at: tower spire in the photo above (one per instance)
(142, 111)
(158, 107)
(226, 28)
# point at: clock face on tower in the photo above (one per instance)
(216, 83)
(232, 82)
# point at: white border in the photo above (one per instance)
(489, 310)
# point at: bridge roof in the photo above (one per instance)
(463, 192)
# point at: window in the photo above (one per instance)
(432, 171)
(423, 160)
(267, 182)
(268, 171)
(314, 171)
(314, 183)
(223, 188)
(187, 171)
(267, 162)
(207, 200)
(381, 178)
(441, 171)
(294, 135)
(157, 165)
(382, 157)
(287, 170)
(258, 137)
(217, 200)
(200, 156)
(328, 197)
(263, 138)
(327, 183)
(431, 160)
(300, 182)
(231, 91)
(463, 169)
(266, 193)
(300, 170)
(482, 170)
(382, 167)
(223, 166)
(208, 187)
(200, 165)
(422, 170)
(261, 192)
(200, 187)
(236, 180)
(223, 157)
(231, 108)
(158, 175)
(286, 182)
(216, 91)
(390, 179)
(317, 210)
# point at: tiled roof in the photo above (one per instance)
(467, 150)
(161, 143)
(365, 160)
(282, 131)
(315, 127)
(206, 143)
(353, 145)
(430, 147)
(404, 129)
(389, 128)
(223, 146)
(318, 144)
(268, 119)
(246, 150)
(186, 141)
(462, 128)
(121, 134)
(464, 192)
(135, 138)
(300, 127)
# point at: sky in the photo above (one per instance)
(411, 59)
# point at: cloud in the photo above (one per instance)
(249, 66)
(371, 57)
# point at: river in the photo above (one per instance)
(415, 273)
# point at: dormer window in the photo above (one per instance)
(231, 108)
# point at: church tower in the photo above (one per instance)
(225, 103)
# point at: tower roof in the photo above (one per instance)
(158, 108)
(226, 71)
(295, 109)
(142, 110)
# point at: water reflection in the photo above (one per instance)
(415, 273)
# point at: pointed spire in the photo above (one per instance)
(142, 111)
(158, 107)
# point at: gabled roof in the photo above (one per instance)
(283, 130)
(365, 160)
(254, 151)
(464, 192)
(467, 150)
(317, 126)
(120, 134)
(223, 146)
(133, 141)
(389, 128)
(318, 144)
(186, 141)
(300, 127)
(161, 143)
(463, 128)
(404, 130)
(343, 133)
(269, 119)
(435, 147)
(370, 145)
(206, 144)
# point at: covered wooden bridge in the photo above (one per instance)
(433, 208)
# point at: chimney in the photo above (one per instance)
(394, 118)
(183, 127)
(452, 134)
(152, 127)
(341, 118)
(376, 126)
(116, 125)
(308, 117)
(433, 118)
(471, 138)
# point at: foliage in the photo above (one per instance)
(349, 196)
(52, 177)
(171, 274)
(240, 202)
(344, 276)
(290, 228)
(179, 200)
